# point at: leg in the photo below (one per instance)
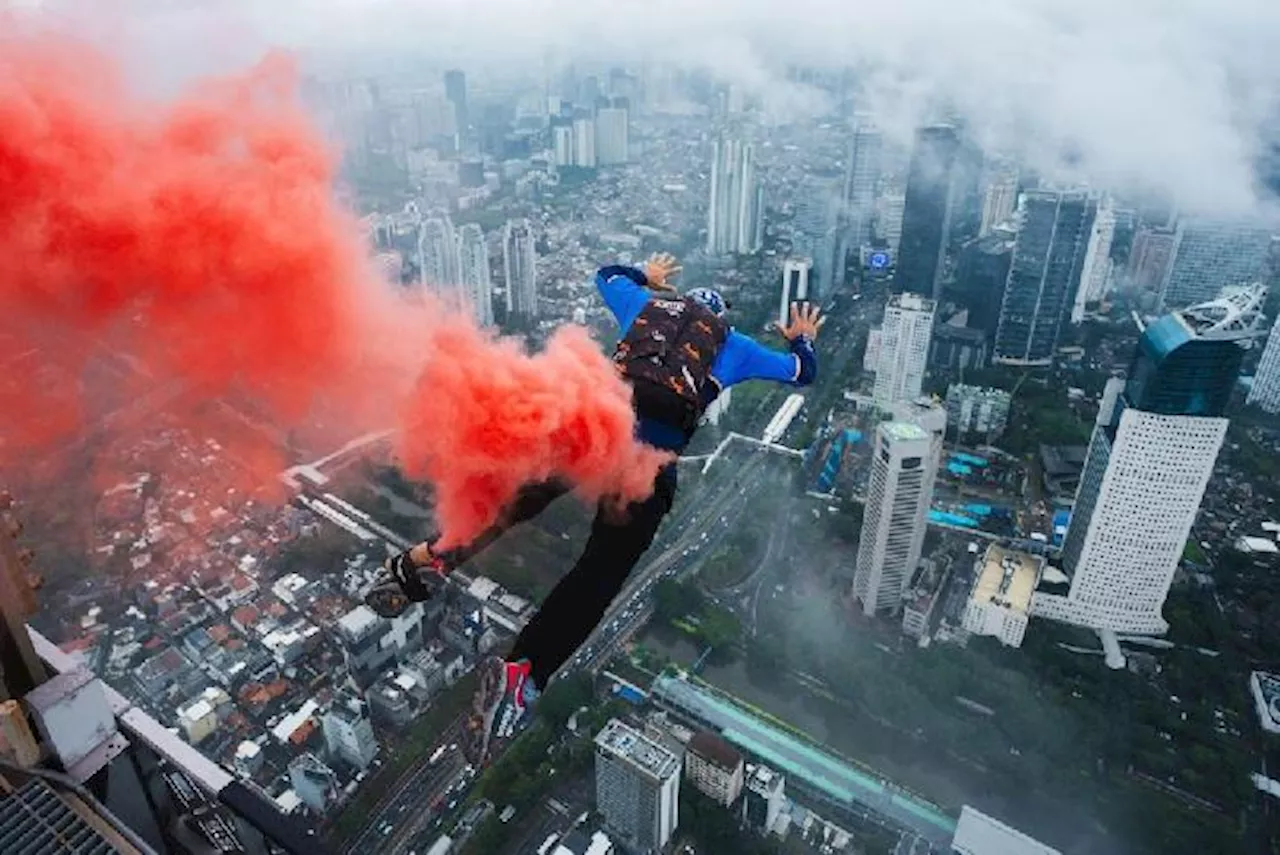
(568, 615)
(578, 602)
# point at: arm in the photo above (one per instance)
(625, 292)
(743, 358)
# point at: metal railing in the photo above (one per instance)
(174, 798)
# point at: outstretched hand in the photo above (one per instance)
(658, 269)
(806, 320)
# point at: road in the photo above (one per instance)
(401, 810)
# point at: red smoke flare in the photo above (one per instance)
(193, 251)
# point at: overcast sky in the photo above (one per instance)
(1170, 94)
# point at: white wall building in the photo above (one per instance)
(889, 210)
(475, 279)
(520, 261)
(975, 411)
(584, 142)
(1096, 275)
(1000, 602)
(438, 253)
(894, 522)
(613, 134)
(903, 349)
(1265, 689)
(715, 767)
(999, 199)
(637, 787)
(1265, 392)
(795, 286)
(734, 212)
(862, 176)
(348, 731)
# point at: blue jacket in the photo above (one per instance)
(741, 358)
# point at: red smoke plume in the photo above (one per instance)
(193, 251)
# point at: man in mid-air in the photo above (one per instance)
(678, 353)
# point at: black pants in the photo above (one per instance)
(577, 603)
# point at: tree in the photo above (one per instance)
(565, 697)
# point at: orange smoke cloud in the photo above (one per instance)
(197, 246)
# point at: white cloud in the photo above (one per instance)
(1147, 93)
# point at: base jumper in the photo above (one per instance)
(678, 353)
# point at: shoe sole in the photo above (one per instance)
(488, 697)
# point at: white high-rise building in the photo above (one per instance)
(475, 279)
(795, 286)
(903, 349)
(735, 211)
(999, 199)
(562, 144)
(584, 142)
(895, 519)
(348, 731)
(889, 210)
(1153, 450)
(1097, 261)
(520, 262)
(1210, 255)
(438, 253)
(1265, 392)
(637, 788)
(613, 133)
(862, 176)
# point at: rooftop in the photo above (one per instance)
(819, 769)
(903, 431)
(715, 750)
(358, 621)
(636, 749)
(1008, 578)
(979, 834)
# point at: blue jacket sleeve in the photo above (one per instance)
(743, 358)
(625, 293)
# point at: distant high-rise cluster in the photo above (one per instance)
(899, 350)
(519, 257)
(1153, 450)
(1265, 392)
(736, 210)
(1048, 261)
(1209, 255)
(476, 281)
(599, 135)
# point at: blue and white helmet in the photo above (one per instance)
(709, 299)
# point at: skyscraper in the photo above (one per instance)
(438, 252)
(929, 208)
(562, 141)
(1208, 255)
(890, 208)
(613, 132)
(520, 261)
(1150, 257)
(734, 212)
(862, 176)
(475, 278)
(1097, 262)
(584, 142)
(348, 731)
(894, 522)
(903, 349)
(637, 787)
(1265, 392)
(795, 286)
(1153, 450)
(455, 90)
(1000, 198)
(816, 234)
(1048, 259)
